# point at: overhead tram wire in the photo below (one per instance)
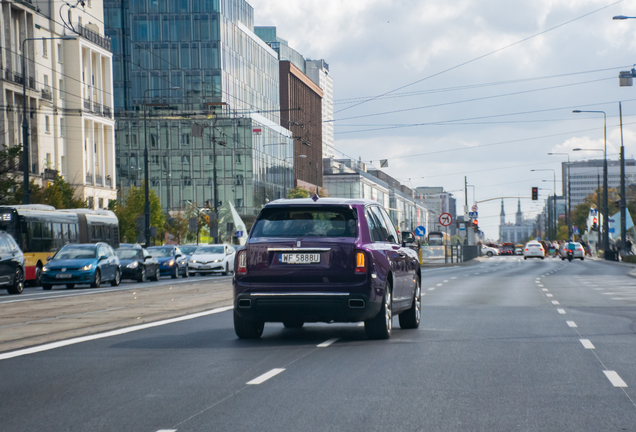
(482, 56)
(476, 86)
(485, 117)
(473, 100)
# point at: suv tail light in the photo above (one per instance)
(361, 262)
(242, 262)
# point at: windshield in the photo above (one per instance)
(75, 252)
(161, 252)
(188, 250)
(129, 254)
(209, 250)
(306, 222)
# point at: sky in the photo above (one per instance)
(479, 88)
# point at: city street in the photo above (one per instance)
(504, 344)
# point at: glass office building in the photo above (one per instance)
(197, 66)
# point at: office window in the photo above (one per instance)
(62, 127)
(45, 48)
(47, 124)
(60, 88)
(59, 53)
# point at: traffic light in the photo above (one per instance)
(535, 193)
(476, 224)
(594, 224)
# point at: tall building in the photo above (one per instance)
(318, 71)
(210, 90)
(586, 176)
(69, 94)
(301, 101)
(438, 201)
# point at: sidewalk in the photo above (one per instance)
(441, 263)
(632, 273)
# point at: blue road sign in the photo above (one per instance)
(575, 230)
(239, 234)
(473, 215)
(612, 230)
(420, 231)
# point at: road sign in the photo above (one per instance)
(462, 226)
(473, 215)
(612, 230)
(611, 220)
(445, 219)
(420, 231)
(239, 234)
(575, 230)
(474, 208)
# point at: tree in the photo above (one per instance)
(57, 193)
(177, 226)
(133, 207)
(10, 174)
(298, 192)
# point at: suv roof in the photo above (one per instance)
(320, 201)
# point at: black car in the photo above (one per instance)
(11, 265)
(137, 264)
(172, 262)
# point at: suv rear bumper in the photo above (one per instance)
(306, 307)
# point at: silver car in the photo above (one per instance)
(575, 247)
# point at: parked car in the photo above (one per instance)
(172, 262)
(11, 264)
(138, 264)
(212, 259)
(489, 251)
(333, 260)
(519, 249)
(507, 249)
(533, 249)
(82, 264)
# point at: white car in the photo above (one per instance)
(533, 249)
(488, 251)
(212, 259)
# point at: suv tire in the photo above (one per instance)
(247, 328)
(18, 282)
(410, 318)
(380, 326)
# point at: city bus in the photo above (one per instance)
(438, 238)
(41, 230)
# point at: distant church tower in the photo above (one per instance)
(519, 215)
(502, 222)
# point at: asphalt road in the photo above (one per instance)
(504, 345)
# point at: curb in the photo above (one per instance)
(455, 264)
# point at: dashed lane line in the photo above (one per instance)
(587, 344)
(561, 311)
(571, 324)
(555, 302)
(614, 378)
(267, 375)
(326, 343)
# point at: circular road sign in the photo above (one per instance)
(445, 219)
(474, 208)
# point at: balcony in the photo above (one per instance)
(89, 179)
(102, 41)
(97, 108)
(107, 112)
(87, 104)
(50, 174)
(109, 182)
(98, 180)
(47, 94)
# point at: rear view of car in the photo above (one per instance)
(331, 261)
(533, 250)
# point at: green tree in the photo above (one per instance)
(61, 195)
(177, 225)
(133, 207)
(298, 192)
(10, 174)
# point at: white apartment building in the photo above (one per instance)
(69, 93)
(318, 71)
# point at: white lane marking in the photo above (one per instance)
(431, 289)
(117, 332)
(549, 295)
(587, 344)
(554, 302)
(267, 375)
(326, 343)
(361, 324)
(614, 379)
(454, 277)
(167, 430)
(541, 285)
(598, 289)
(446, 281)
(440, 284)
(571, 324)
(544, 290)
(537, 281)
(561, 311)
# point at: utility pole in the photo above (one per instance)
(215, 234)
(623, 203)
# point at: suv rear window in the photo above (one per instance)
(306, 222)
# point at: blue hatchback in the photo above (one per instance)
(82, 264)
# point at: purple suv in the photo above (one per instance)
(332, 260)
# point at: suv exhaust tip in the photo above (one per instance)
(356, 303)
(245, 303)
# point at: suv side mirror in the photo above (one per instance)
(102, 257)
(148, 257)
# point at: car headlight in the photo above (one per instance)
(216, 261)
(45, 268)
(133, 265)
(193, 261)
(87, 267)
(171, 262)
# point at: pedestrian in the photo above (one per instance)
(628, 246)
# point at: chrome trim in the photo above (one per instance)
(316, 249)
(297, 294)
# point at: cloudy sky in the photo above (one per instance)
(478, 88)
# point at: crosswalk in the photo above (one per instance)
(616, 288)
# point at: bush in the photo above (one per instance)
(629, 259)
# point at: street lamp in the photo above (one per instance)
(554, 190)
(622, 17)
(569, 212)
(146, 171)
(26, 198)
(605, 198)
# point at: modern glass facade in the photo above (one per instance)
(197, 62)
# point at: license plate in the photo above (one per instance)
(64, 276)
(204, 267)
(299, 258)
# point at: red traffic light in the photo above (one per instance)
(594, 221)
(475, 223)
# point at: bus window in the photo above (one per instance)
(65, 232)
(57, 231)
(36, 229)
(98, 232)
(72, 237)
(46, 230)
